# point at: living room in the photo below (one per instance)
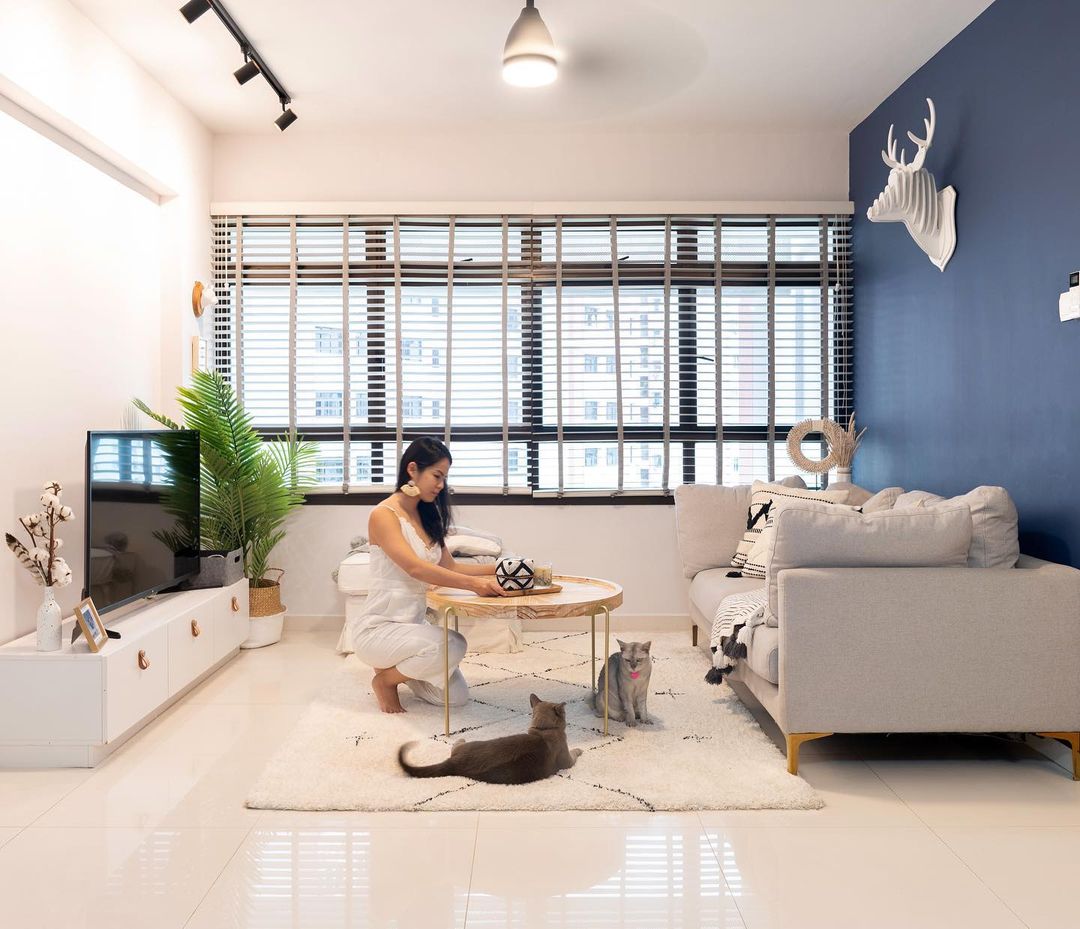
(604, 456)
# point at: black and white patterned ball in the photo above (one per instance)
(515, 573)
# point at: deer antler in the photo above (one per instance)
(889, 157)
(924, 144)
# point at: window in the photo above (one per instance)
(707, 373)
(328, 403)
(590, 457)
(644, 473)
(327, 340)
(328, 471)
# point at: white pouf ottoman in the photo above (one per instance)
(499, 635)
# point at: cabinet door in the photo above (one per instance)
(233, 625)
(191, 644)
(136, 680)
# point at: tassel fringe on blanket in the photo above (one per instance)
(733, 630)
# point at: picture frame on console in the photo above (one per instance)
(93, 629)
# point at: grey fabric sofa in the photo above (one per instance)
(856, 650)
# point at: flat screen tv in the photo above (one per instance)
(142, 513)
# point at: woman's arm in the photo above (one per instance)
(384, 529)
(473, 570)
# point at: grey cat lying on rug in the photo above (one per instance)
(629, 670)
(513, 759)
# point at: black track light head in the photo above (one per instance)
(246, 72)
(286, 119)
(193, 9)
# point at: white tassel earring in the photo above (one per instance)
(410, 489)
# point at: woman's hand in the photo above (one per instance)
(487, 587)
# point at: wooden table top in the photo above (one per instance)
(580, 596)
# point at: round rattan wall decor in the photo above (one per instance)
(800, 431)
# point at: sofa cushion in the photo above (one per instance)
(762, 498)
(995, 542)
(810, 535)
(709, 521)
(882, 500)
(763, 653)
(710, 586)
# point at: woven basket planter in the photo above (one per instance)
(265, 596)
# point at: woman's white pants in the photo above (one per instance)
(416, 650)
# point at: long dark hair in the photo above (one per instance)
(435, 516)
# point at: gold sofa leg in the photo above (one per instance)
(1072, 739)
(796, 739)
(693, 634)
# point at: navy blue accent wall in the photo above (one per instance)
(967, 377)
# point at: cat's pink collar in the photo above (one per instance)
(635, 674)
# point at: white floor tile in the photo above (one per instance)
(854, 796)
(850, 878)
(626, 876)
(109, 878)
(1032, 869)
(588, 819)
(357, 819)
(310, 879)
(26, 794)
(1026, 791)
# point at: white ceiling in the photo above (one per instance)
(717, 65)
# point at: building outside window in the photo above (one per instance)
(328, 340)
(328, 403)
(590, 410)
(590, 457)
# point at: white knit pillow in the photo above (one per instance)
(994, 539)
(761, 502)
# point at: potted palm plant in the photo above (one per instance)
(249, 488)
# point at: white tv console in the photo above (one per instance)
(70, 708)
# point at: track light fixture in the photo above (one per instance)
(253, 61)
(193, 9)
(287, 117)
(247, 70)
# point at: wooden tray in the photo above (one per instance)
(553, 589)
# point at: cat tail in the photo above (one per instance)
(442, 769)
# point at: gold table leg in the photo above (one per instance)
(446, 661)
(607, 676)
(592, 619)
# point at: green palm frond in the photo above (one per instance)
(249, 487)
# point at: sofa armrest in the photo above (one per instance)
(930, 649)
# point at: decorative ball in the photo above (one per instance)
(800, 431)
(515, 573)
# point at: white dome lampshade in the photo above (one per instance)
(529, 54)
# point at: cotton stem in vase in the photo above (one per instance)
(41, 557)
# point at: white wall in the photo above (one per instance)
(633, 545)
(586, 165)
(96, 275)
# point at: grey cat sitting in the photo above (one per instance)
(513, 759)
(629, 670)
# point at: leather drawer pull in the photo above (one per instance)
(144, 662)
(195, 630)
(235, 605)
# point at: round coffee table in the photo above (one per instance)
(580, 596)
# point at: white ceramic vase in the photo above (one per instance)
(48, 623)
(843, 476)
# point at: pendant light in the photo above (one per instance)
(529, 53)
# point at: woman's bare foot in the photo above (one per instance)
(386, 693)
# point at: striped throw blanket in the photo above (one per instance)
(733, 628)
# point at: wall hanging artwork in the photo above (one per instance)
(912, 198)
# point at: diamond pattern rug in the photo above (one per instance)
(703, 751)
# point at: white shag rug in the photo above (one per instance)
(703, 750)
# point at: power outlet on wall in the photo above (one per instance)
(1069, 302)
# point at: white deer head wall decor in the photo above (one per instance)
(912, 197)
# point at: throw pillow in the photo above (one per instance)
(882, 500)
(710, 520)
(811, 536)
(758, 559)
(461, 544)
(995, 542)
(762, 496)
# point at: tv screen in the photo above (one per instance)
(142, 513)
